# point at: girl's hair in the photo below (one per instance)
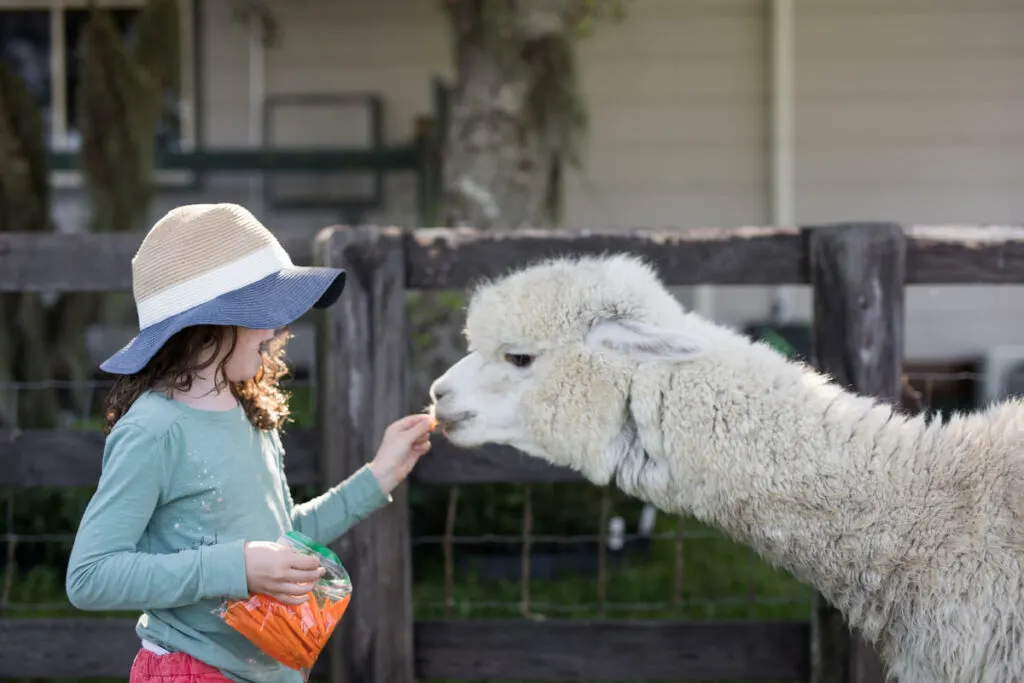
(180, 359)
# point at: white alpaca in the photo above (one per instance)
(915, 531)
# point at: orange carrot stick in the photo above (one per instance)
(292, 635)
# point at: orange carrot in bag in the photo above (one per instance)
(277, 629)
(294, 635)
(291, 635)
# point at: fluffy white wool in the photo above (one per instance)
(914, 530)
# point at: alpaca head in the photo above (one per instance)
(552, 349)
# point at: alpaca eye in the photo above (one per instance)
(520, 360)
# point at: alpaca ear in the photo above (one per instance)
(642, 341)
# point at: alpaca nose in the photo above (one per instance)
(438, 391)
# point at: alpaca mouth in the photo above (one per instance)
(449, 423)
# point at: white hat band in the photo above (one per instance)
(212, 283)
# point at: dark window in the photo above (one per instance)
(168, 129)
(25, 46)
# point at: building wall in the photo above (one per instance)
(332, 47)
(678, 95)
(913, 110)
(908, 110)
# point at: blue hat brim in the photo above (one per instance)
(275, 301)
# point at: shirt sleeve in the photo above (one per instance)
(107, 571)
(328, 516)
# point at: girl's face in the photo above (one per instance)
(246, 360)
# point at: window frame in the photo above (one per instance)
(58, 138)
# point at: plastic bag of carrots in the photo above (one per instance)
(294, 635)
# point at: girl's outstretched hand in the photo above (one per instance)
(405, 442)
(280, 572)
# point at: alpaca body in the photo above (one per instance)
(913, 530)
(905, 526)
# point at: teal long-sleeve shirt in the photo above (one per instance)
(180, 493)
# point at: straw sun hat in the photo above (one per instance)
(216, 264)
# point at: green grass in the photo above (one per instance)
(721, 580)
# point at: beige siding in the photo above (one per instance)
(908, 110)
(224, 75)
(911, 111)
(677, 95)
(332, 47)
(914, 111)
(391, 47)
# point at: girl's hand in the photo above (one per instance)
(405, 442)
(280, 572)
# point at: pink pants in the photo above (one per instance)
(176, 667)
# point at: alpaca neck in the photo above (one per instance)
(785, 463)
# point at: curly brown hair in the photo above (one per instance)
(181, 358)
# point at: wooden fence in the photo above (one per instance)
(858, 273)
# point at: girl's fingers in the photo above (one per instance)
(304, 562)
(296, 588)
(304, 576)
(290, 599)
(414, 422)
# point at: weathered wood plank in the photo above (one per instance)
(448, 465)
(71, 459)
(611, 650)
(89, 262)
(964, 254)
(438, 257)
(76, 648)
(67, 648)
(857, 278)
(495, 649)
(857, 274)
(361, 360)
(455, 258)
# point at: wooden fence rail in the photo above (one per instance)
(444, 258)
(857, 271)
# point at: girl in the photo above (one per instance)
(192, 493)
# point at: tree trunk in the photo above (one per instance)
(515, 113)
(24, 207)
(496, 169)
(497, 161)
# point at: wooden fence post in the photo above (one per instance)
(361, 373)
(857, 273)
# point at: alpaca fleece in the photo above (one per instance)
(912, 529)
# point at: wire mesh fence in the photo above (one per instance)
(634, 561)
(538, 551)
